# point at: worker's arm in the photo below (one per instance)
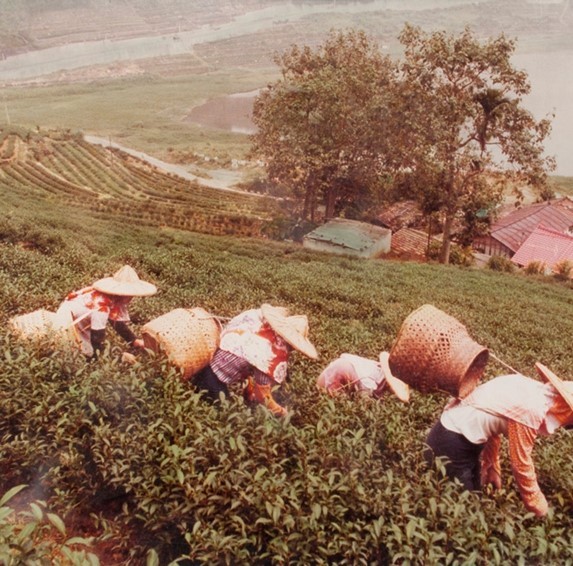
(521, 441)
(123, 329)
(490, 468)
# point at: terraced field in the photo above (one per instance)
(63, 167)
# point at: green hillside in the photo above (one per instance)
(63, 168)
(131, 456)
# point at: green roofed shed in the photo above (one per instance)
(349, 237)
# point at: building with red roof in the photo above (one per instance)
(509, 233)
(545, 246)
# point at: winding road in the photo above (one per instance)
(221, 178)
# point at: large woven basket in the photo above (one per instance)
(42, 324)
(434, 352)
(188, 337)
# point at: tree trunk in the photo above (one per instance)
(330, 203)
(309, 206)
(446, 233)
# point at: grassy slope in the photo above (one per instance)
(353, 305)
(144, 113)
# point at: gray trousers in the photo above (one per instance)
(460, 455)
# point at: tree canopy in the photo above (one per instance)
(470, 131)
(321, 126)
(446, 121)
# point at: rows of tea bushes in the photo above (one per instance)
(131, 456)
(64, 168)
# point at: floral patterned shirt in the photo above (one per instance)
(250, 337)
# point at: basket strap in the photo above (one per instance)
(502, 362)
(78, 320)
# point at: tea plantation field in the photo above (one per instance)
(131, 460)
(61, 167)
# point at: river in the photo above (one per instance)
(74, 55)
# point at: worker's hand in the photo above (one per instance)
(128, 358)
(539, 506)
(138, 343)
(491, 477)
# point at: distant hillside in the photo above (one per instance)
(63, 168)
(28, 25)
(31, 24)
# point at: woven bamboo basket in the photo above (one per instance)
(188, 337)
(434, 352)
(42, 324)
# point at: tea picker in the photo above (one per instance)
(441, 356)
(106, 301)
(254, 349)
(350, 372)
(469, 430)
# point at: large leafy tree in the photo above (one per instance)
(467, 126)
(321, 128)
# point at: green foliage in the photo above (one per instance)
(459, 255)
(169, 477)
(500, 263)
(535, 268)
(463, 97)
(38, 537)
(320, 127)
(343, 123)
(67, 169)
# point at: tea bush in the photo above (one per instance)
(37, 537)
(170, 478)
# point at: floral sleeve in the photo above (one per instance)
(521, 440)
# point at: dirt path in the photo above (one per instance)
(221, 179)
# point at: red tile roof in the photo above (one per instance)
(546, 246)
(400, 214)
(410, 243)
(512, 230)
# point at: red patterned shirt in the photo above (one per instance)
(249, 336)
(95, 310)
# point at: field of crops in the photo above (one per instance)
(64, 168)
(131, 458)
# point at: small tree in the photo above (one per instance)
(466, 123)
(321, 127)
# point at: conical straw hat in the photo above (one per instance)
(293, 329)
(125, 283)
(564, 388)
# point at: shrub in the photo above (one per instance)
(535, 268)
(459, 255)
(562, 270)
(138, 453)
(37, 537)
(500, 263)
